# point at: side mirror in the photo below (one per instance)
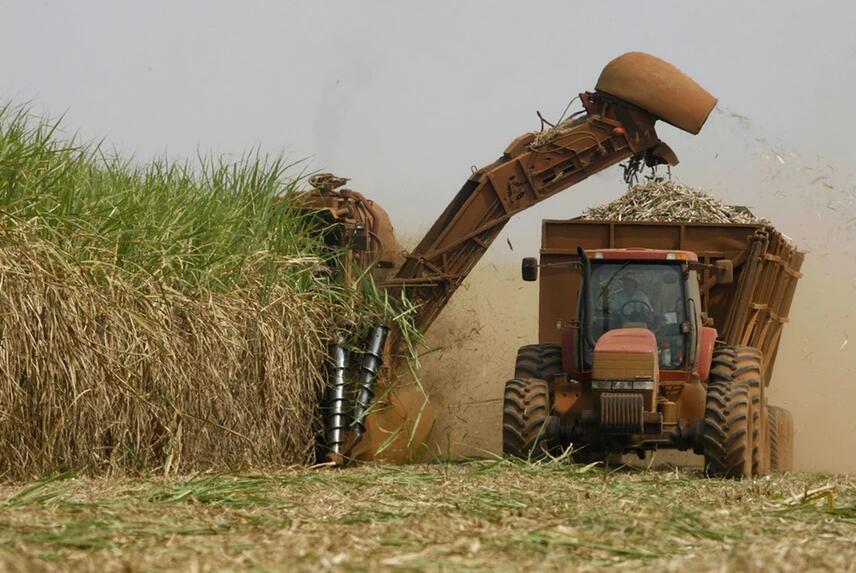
(529, 269)
(724, 271)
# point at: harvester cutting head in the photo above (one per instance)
(659, 88)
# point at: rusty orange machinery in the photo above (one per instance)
(750, 310)
(627, 389)
(633, 92)
(617, 122)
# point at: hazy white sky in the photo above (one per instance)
(403, 97)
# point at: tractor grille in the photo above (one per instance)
(621, 413)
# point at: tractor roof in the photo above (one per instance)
(639, 254)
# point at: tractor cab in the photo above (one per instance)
(646, 289)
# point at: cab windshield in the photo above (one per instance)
(641, 295)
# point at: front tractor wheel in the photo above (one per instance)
(526, 421)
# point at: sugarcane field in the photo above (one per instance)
(353, 287)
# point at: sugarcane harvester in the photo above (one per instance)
(617, 123)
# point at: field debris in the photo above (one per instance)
(488, 515)
(670, 202)
(548, 135)
(826, 492)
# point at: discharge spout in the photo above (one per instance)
(659, 88)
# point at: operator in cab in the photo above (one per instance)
(640, 295)
(630, 300)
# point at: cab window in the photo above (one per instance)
(641, 295)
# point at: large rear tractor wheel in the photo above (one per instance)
(526, 420)
(781, 426)
(727, 430)
(541, 361)
(736, 366)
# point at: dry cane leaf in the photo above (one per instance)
(669, 201)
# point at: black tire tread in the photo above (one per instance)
(525, 412)
(733, 398)
(726, 430)
(774, 437)
(748, 369)
(781, 424)
(541, 361)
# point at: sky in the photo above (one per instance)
(404, 97)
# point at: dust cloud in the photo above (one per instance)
(476, 340)
(477, 336)
(815, 373)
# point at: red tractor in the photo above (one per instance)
(666, 347)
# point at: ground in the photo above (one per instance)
(482, 515)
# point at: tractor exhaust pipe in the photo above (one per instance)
(336, 419)
(372, 361)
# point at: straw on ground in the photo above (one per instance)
(486, 515)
